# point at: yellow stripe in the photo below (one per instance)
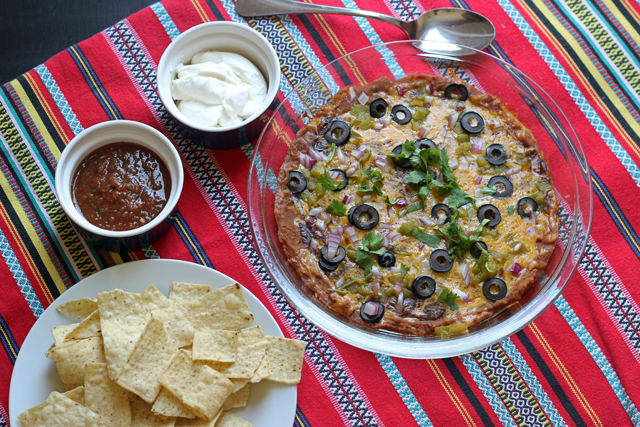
(195, 248)
(566, 375)
(116, 258)
(93, 81)
(615, 213)
(200, 10)
(50, 114)
(631, 10)
(452, 395)
(8, 341)
(630, 28)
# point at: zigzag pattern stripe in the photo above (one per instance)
(573, 90)
(165, 20)
(20, 277)
(59, 98)
(222, 197)
(598, 356)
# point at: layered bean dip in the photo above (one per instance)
(420, 206)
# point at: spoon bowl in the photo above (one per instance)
(452, 29)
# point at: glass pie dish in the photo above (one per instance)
(535, 109)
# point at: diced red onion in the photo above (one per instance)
(428, 100)
(446, 243)
(384, 226)
(402, 202)
(439, 177)
(400, 91)
(334, 174)
(359, 152)
(320, 225)
(513, 171)
(325, 216)
(431, 89)
(315, 155)
(420, 245)
(532, 217)
(468, 233)
(378, 127)
(367, 197)
(400, 304)
(517, 247)
(531, 230)
(462, 295)
(338, 229)
(315, 211)
(385, 122)
(348, 198)
(352, 234)
(479, 194)
(375, 271)
(371, 309)
(464, 271)
(352, 94)
(375, 287)
(422, 132)
(340, 282)
(341, 157)
(476, 147)
(398, 287)
(386, 242)
(311, 219)
(515, 269)
(306, 161)
(363, 98)
(333, 241)
(393, 236)
(478, 179)
(454, 163)
(352, 169)
(314, 243)
(389, 211)
(453, 119)
(381, 162)
(395, 270)
(426, 220)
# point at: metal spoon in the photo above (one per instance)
(445, 25)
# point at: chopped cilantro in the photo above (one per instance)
(331, 153)
(326, 181)
(489, 189)
(415, 178)
(426, 238)
(459, 198)
(371, 244)
(340, 291)
(375, 178)
(364, 260)
(448, 297)
(459, 242)
(390, 202)
(414, 207)
(403, 270)
(510, 209)
(337, 208)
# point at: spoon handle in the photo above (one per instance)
(285, 7)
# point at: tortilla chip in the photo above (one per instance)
(238, 399)
(167, 405)
(180, 292)
(29, 417)
(60, 332)
(71, 358)
(89, 327)
(153, 299)
(61, 411)
(200, 388)
(106, 398)
(79, 308)
(197, 422)
(238, 383)
(122, 319)
(229, 419)
(141, 415)
(285, 360)
(151, 357)
(252, 346)
(224, 308)
(215, 345)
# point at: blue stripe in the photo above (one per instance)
(189, 239)
(165, 19)
(403, 390)
(601, 360)
(8, 342)
(59, 99)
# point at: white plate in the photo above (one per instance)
(34, 376)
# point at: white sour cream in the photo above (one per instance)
(218, 89)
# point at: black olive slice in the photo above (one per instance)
(364, 217)
(441, 207)
(341, 253)
(476, 249)
(491, 213)
(503, 186)
(472, 122)
(494, 289)
(401, 114)
(423, 286)
(325, 266)
(350, 214)
(320, 145)
(524, 203)
(378, 108)
(338, 133)
(455, 88)
(399, 161)
(440, 261)
(297, 182)
(425, 143)
(387, 259)
(374, 306)
(496, 154)
(343, 177)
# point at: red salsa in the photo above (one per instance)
(121, 186)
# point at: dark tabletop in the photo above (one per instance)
(31, 31)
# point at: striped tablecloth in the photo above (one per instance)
(578, 364)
